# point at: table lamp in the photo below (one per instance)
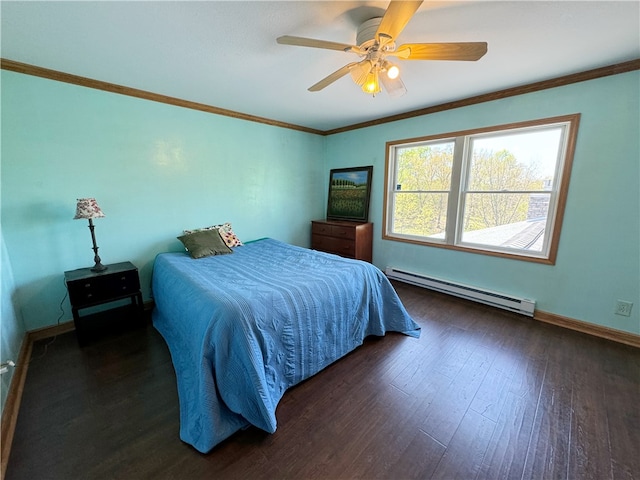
(88, 208)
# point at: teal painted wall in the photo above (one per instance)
(157, 169)
(599, 253)
(154, 169)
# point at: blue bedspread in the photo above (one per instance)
(243, 328)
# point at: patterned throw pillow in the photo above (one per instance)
(226, 232)
(228, 235)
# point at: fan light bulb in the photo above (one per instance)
(393, 71)
(371, 84)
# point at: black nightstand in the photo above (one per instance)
(88, 289)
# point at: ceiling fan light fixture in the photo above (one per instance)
(376, 39)
(372, 83)
(392, 70)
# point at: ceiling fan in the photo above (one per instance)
(376, 40)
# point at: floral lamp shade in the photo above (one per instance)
(88, 208)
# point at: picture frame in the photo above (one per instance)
(349, 194)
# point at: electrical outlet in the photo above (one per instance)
(623, 308)
(4, 367)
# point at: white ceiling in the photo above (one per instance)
(224, 53)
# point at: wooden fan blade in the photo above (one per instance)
(310, 42)
(441, 51)
(396, 17)
(325, 82)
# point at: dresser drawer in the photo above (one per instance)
(93, 290)
(340, 246)
(343, 232)
(338, 231)
(321, 228)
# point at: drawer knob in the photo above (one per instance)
(87, 285)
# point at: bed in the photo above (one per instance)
(245, 327)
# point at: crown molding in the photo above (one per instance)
(47, 73)
(499, 94)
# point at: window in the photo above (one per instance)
(498, 191)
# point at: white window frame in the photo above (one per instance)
(459, 181)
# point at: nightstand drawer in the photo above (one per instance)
(97, 289)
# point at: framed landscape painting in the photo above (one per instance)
(349, 193)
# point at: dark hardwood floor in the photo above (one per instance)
(482, 394)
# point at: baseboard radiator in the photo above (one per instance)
(507, 302)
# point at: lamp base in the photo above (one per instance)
(98, 267)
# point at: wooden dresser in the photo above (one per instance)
(348, 239)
